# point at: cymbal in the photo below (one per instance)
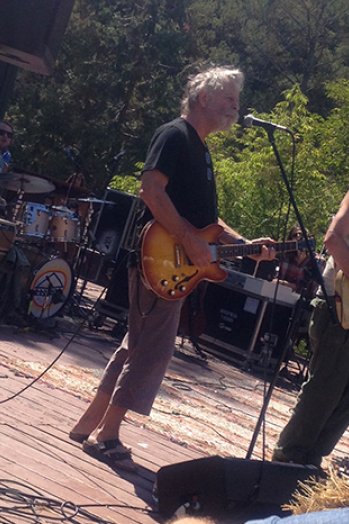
(27, 183)
(96, 201)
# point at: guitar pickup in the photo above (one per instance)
(177, 257)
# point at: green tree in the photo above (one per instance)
(277, 43)
(116, 79)
(252, 194)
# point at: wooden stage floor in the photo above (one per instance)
(205, 408)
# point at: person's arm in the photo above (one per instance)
(153, 193)
(337, 236)
(326, 516)
(230, 236)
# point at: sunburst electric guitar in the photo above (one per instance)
(167, 270)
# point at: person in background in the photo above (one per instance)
(321, 414)
(179, 191)
(6, 135)
(295, 269)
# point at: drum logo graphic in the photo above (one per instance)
(50, 288)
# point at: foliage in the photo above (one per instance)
(277, 43)
(253, 195)
(120, 72)
(116, 60)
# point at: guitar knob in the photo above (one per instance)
(164, 283)
(171, 292)
(182, 288)
(175, 278)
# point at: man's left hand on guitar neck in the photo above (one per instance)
(230, 236)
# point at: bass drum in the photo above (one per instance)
(50, 288)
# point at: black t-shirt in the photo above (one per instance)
(177, 151)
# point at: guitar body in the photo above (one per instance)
(165, 267)
(167, 270)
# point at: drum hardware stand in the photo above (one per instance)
(83, 246)
(82, 250)
(89, 241)
(18, 207)
(193, 341)
(270, 341)
(77, 295)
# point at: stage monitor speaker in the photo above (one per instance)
(31, 32)
(114, 222)
(214, 486)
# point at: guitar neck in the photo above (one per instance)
(244, 250)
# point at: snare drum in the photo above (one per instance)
(35, 220)
(7, 236)
(64, 225)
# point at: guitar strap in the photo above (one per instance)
(342, 299)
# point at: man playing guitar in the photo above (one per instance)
(179, 192)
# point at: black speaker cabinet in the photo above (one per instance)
(117, 292)
(238, 323)
(115, 304)
(214, 486)
(96, 267)
(31, 32)
(114, 222)
(198, 483)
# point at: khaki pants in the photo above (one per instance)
(135, 371)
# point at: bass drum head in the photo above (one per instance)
(50, 288)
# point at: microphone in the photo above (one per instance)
(250, 120)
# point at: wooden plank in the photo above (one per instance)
(70, 478)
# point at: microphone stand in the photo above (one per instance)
(78, 168)
(315, 268)
(294, 322)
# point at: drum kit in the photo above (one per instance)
(48, 231)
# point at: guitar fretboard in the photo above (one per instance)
(244, 250)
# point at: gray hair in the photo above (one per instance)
(212, 79)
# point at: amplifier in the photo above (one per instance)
(115, 223)
(238, 324)
(115, 304)
(95, 267)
